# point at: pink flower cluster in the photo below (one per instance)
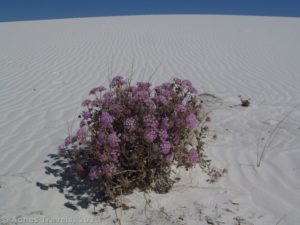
(135, 122)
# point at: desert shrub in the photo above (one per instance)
(131, 136)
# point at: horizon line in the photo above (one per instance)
(143, 14)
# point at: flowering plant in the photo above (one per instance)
(130, 136)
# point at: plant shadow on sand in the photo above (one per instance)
(78, 191)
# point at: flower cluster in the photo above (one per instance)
(135, 133)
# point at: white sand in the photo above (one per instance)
(48, 67)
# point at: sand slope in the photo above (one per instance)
(48, 67)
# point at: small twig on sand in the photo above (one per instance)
(144, 70)
(117, 218)
(130, 71)
(270, 137)
(147, 204)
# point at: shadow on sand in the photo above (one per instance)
(79, 191)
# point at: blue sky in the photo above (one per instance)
(15, 10)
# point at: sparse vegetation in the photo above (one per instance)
(245, 102)
(131, 136)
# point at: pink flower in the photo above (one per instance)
(86, 115)
(167, 87)
(101, 88)
(68, 141)
(165, 147)
(97, 89)
(165, 124)
(162, 99)
(143, 86)
(108, 97)
(106, 120)
(129, 124)
(117, 81)
(188, 85)
(81, 133)
(86, 102)
(150, 135)
(163, 135)
(113, 140)
(164, 90)
(140, 95)
(193, 156)
(114, 153)
(116, 108)
(82, 123)
(100, 138)
(191, 121)
(150, 103)
(150, 121)
(180, 108)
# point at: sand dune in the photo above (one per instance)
(48, 67)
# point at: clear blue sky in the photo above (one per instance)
(14, 10)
